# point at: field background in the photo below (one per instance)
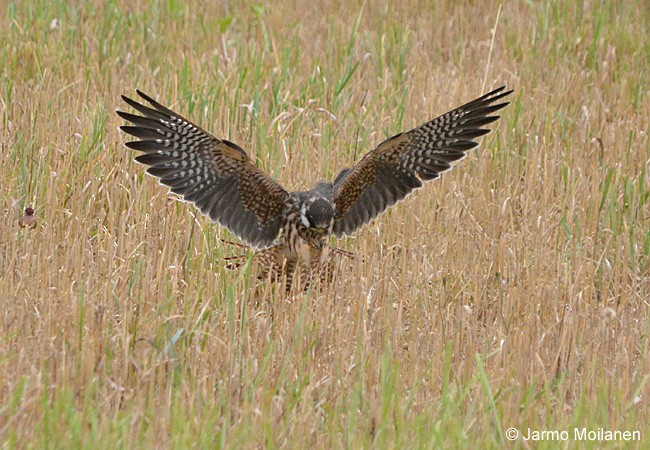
(513, 292)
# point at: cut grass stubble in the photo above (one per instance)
(513, 292)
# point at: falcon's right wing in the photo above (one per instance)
(216, 175)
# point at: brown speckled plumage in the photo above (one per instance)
(291, 229)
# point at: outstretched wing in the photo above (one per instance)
(216, 175)
(400, 164)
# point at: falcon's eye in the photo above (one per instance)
(312, 222)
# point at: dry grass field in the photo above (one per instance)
(512, 292)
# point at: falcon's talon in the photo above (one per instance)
(287, 228)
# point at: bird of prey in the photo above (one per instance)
(291, 230)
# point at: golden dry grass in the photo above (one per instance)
(513, 292)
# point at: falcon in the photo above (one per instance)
(291, 230)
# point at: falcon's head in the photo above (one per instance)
(317, 213)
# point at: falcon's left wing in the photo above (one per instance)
(400, 164)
